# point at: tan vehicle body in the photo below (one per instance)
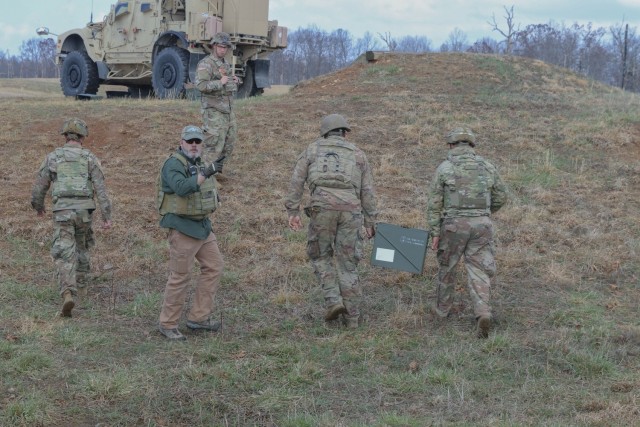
(154, 46)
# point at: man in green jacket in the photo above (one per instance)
(464, 192)
(77, 178)
(187, 195)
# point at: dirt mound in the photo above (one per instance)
(567, 244)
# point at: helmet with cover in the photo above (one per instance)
(461, 134)
(333, 122)
(75, 126)
(222, 39)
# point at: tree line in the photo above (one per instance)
(609, 55)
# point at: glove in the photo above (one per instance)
(213, 168)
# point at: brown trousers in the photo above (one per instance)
(182, 252)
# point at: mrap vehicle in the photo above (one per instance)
(153, 46)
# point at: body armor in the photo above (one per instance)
(196, 206)
(72, 188)
(468, 187)
(334, 166)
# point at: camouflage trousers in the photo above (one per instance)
(471, 237)
(221, 131)
(72, 240)
(336, 232)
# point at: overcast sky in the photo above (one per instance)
(434, 19)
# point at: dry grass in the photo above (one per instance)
(565, 347)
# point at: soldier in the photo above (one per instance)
(186, 197)
(341, 185)
(77, 176)
(466, 189)
(217, 84)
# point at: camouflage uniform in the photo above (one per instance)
(218, 117)
(76, 175)
(466, 189)
(342, 197)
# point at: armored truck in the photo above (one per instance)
(152, 47)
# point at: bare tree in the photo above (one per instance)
(485, 45)
(457, 41)
(626, 51)
(414, 44)
(367, 42)
(509, 33)
(391, 43)
(340, 47)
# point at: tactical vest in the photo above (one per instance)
(334, 166)
(469, 188)
(72, 179)
(196, 206)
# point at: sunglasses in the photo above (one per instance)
(194, 141)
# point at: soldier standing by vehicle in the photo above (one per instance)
(217, 84)
(77, 176)
(186, 197)
(466, 189)
(341, 184)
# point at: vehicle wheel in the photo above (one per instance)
(170, 72)
(79, 74)
(247, 88)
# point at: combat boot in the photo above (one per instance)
(484, 325)
(67, 304)
(81, 283)
(334, 312)
(351, 322)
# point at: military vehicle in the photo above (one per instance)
(153, 47)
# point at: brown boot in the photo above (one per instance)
(67, 304)
(484, 325)
(351, 323)
(334, 312)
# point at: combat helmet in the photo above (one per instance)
(75, 126)
(461, 134)
(332, 122)
(223, 39)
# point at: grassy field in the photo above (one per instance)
(565, 350)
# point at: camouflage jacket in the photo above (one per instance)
(48, 174)
(213, 93)
(464, 185)
(357, 197)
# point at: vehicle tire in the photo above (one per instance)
(247, 88)
(170, 72)
(79, 74)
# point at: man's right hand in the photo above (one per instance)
(434, 243)
(213, 168)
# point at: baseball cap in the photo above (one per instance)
(192, 132)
